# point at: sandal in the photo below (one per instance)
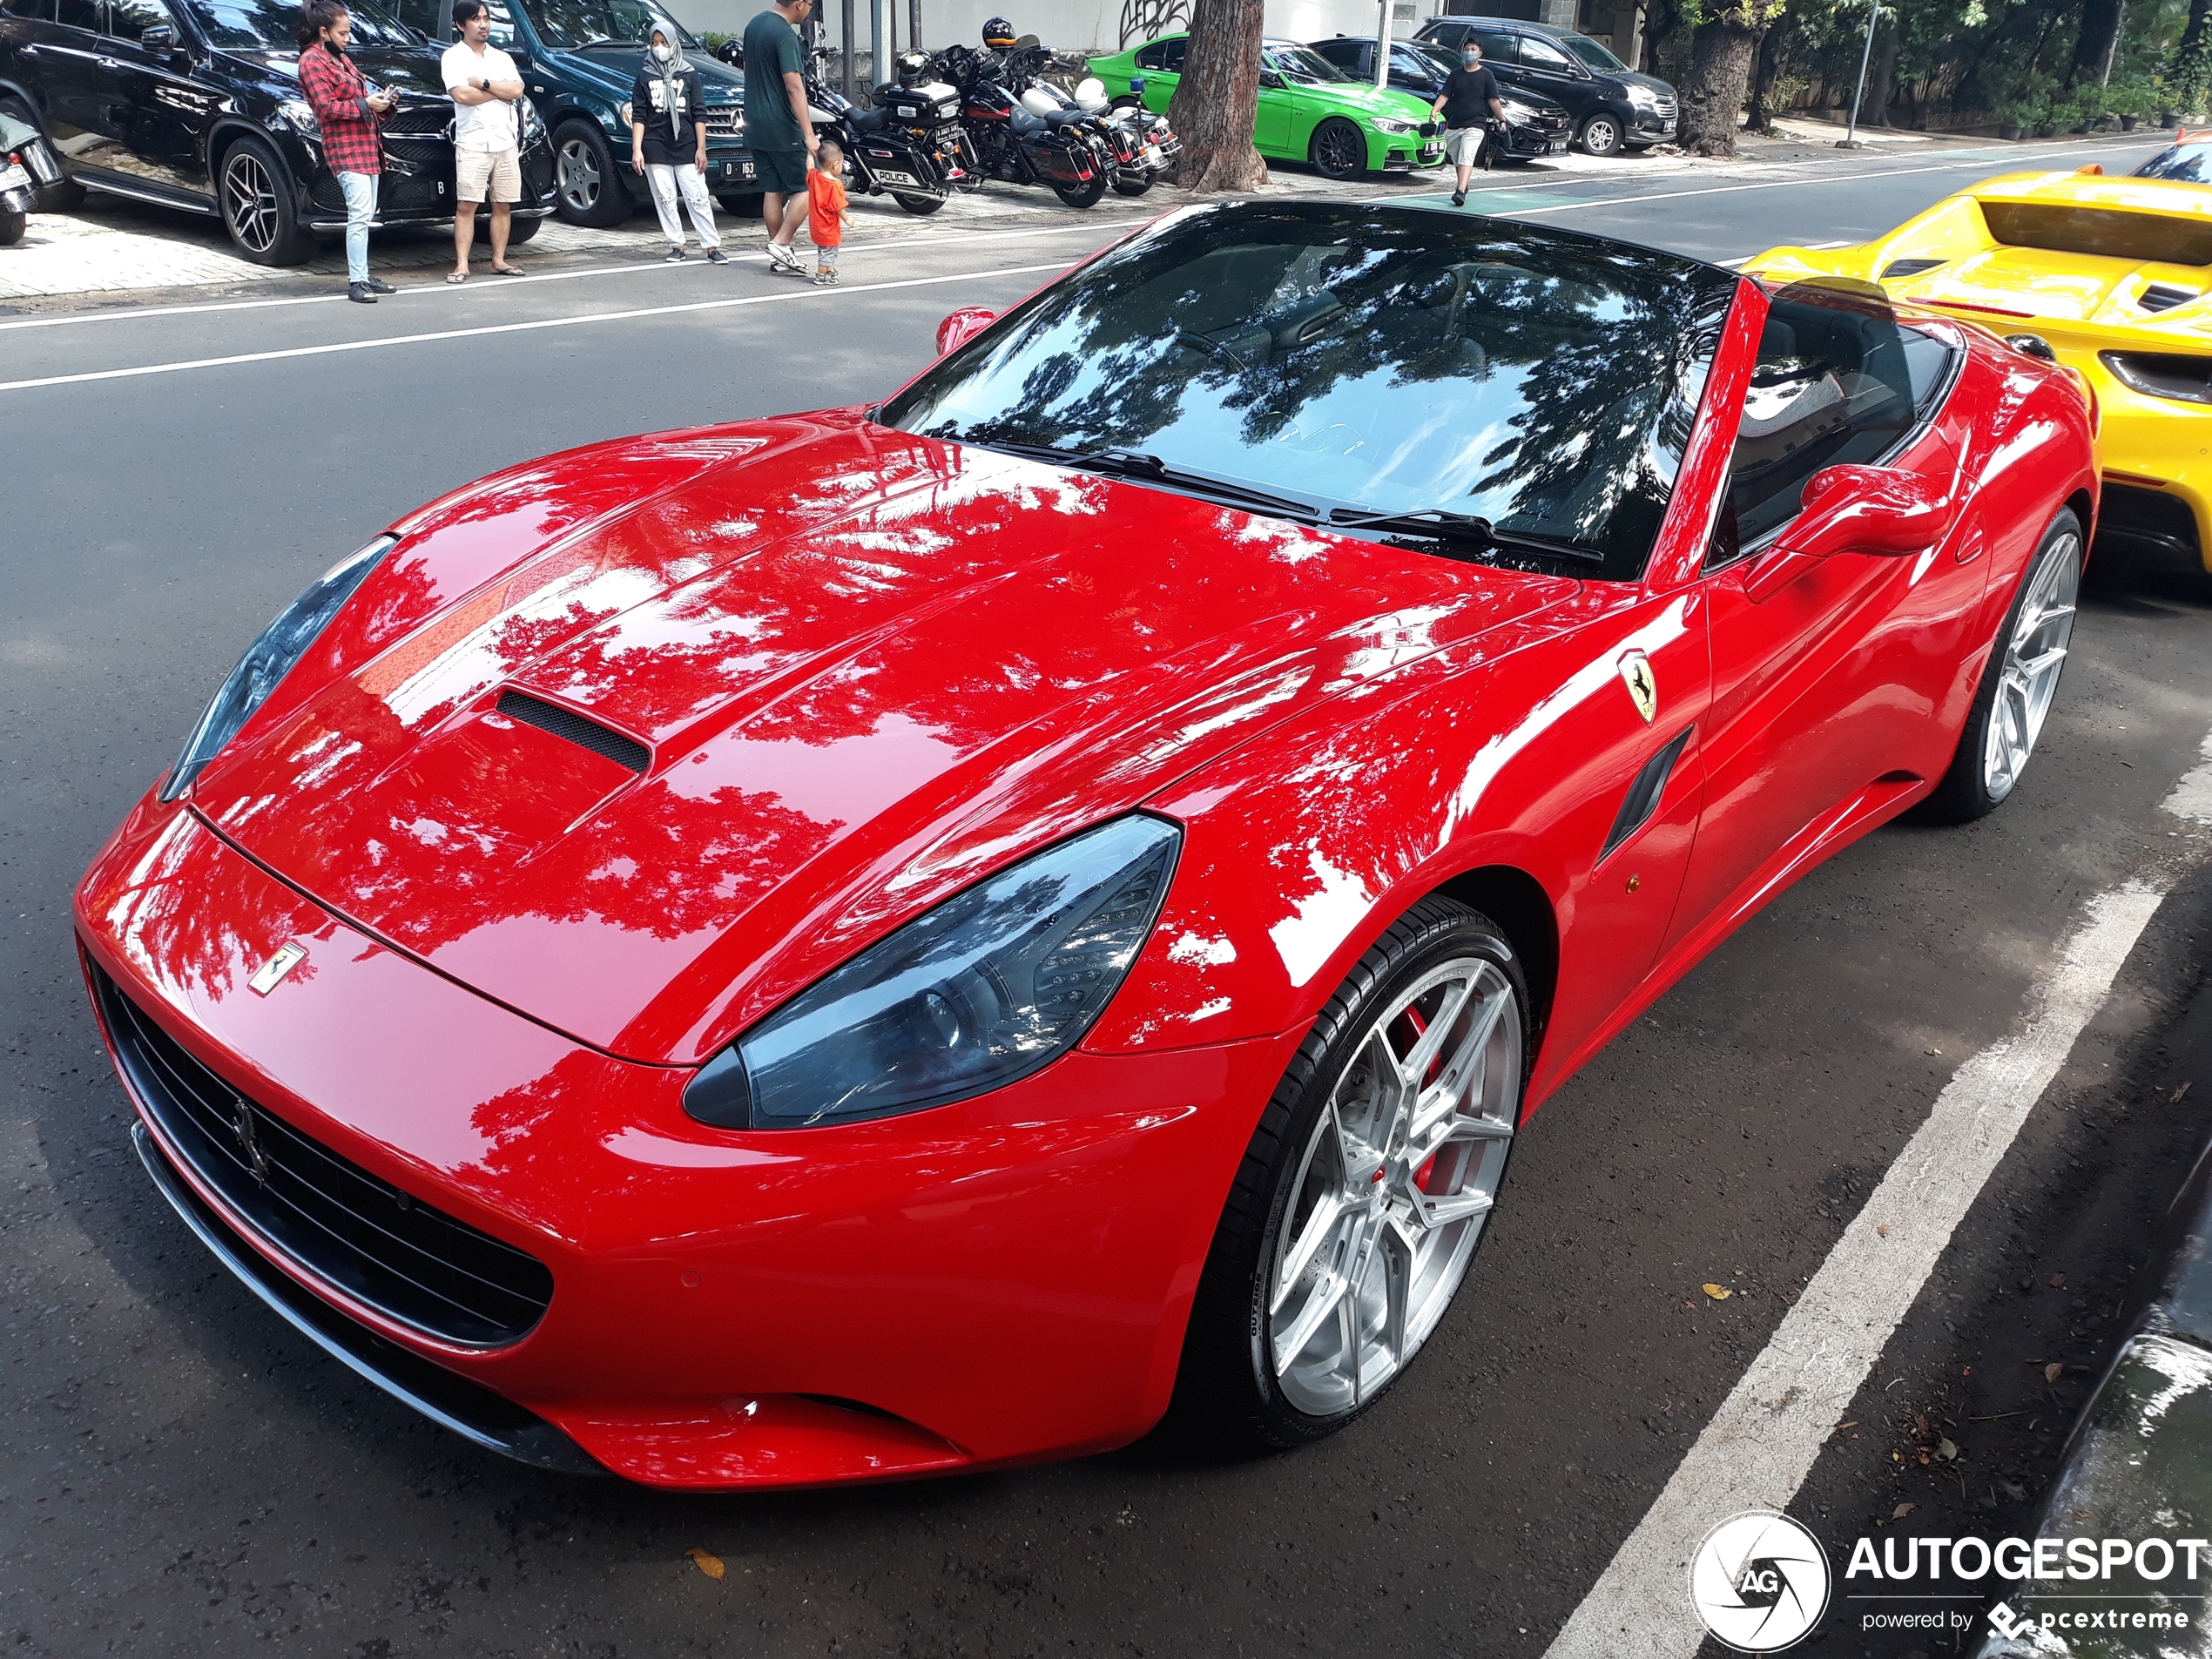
(507, 270)
(457, 276)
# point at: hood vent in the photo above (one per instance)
(2162, 296)
(625, 751)
(1897, 269)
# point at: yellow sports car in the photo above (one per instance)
(2115, 275)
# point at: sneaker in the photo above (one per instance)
(674, 256)
(716, 256)
(361, 293)
(825, 278)
(1458, 199)
(375, 286)
(783, 261)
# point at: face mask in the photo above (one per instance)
(1469, 61)
(664, 52)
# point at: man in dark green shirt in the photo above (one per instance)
(777, 130)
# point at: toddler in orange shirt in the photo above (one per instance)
(826, 214)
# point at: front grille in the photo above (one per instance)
(1666, 109)
(341, 1224)
(429, 120)
(727, 121)
(2163, 296)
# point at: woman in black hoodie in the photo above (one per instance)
(668, 145)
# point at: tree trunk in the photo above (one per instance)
(1720, 51)
(1772, 48)
(1216, 101)
(2100, 28)
(1661, 19)
(2190, 70)
(1881, 76)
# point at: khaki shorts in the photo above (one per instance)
(1464, 145)
(474, 170)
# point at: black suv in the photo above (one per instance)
(196, 105)
(1534, 124)
(1612, 107)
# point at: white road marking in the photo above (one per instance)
(808, 291)
(1761, 1444)
(478, 285)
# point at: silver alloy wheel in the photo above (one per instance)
(1602, 135)
(2028, 679)
(579, 175)
(249, 201)
(1394, 1187)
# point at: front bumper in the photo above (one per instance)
(1404, 153)
(990, 1283)
(416, 187)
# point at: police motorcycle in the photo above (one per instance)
(909, 145)
(1136, 159)
(1160, 147)
(26, 165)
(1059, 151)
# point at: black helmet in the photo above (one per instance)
(912, 64)
(998, 34)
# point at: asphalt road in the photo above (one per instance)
(180, 1473)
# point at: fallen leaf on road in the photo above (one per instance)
(1945, 1450)
(711, 1565)
(1719, 1294)
(2051, 1372)
(2058, 1281)
(2182, 1090)
(1935, 1051)
(1902, 1510)
(1883, 1230)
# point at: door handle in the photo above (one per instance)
(107, 63)
(29, 50)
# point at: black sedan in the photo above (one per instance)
(196, 105)
(1535, 125)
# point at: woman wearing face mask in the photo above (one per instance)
(668, 145)
(1467, 103)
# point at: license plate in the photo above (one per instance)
(884, 176)
(1557, 147)
(1152, 154)
(14, 178)
(737, 170)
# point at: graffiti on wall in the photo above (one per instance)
(1142, 19)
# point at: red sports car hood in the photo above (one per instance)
(856, 669)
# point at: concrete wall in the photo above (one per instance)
(1070, 26)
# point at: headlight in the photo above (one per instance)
(268, 659)
(979, 992)
(2169, 374)
(301, 114)
(1643, 98)
(534, 123)
(1385, 124)
(624, 112)
(1516, 110)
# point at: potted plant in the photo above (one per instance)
(2127, 99)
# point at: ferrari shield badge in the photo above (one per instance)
(1643, 689)
(271, 972)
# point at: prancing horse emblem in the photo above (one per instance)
(248, 1143)
(1643, 689)
(266, 976)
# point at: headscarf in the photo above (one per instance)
(670, 74)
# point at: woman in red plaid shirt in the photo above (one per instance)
(348, 114)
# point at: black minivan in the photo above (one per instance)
(1612, 107)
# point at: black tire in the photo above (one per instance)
(922, 206)
(1965, 793)
(253, 193)
(1133, 187)
(1227, 1388)
(11, 228)
(1337, 149)
(1602, 135)
(1079, 195)
(586, 188)
(519, 231)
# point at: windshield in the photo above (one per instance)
(232, 25)
(1302, 64)
(1372, 360)
(588, 23)
(1591, 53)
(2185, 162)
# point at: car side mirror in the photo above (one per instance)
(1868, 509)
(962, 327)
(158, 37)
(1270, 80)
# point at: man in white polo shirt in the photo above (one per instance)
(487, 135)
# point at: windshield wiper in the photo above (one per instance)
(1462, 527)
(1130, 463)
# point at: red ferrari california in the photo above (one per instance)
(913, 938)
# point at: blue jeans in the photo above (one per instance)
(360, 207)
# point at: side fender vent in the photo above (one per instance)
(1896, 270)
(1643, 798)
(625, 751)
(2162, 296)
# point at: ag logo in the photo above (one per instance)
(1759, 1582)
